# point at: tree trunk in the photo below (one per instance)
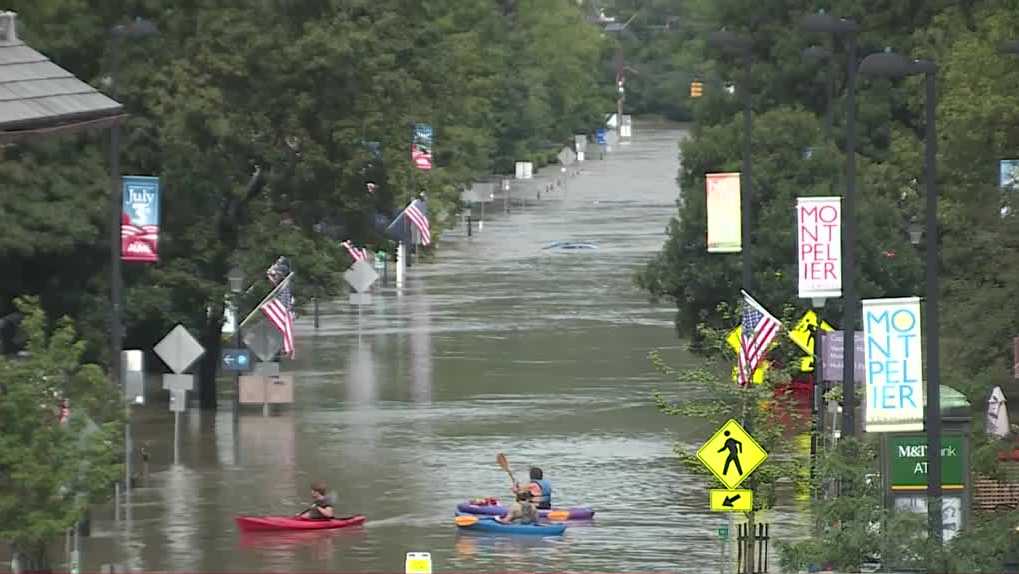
(30, 558)
(211, 339)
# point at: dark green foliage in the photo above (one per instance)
(50, 472)
(291, 90)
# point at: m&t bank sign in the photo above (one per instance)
(894, 364)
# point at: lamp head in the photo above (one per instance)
(729, 42)
(824, 23)
(816, 54)
(888, 64)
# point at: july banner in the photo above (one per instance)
(139, 219)
(421, 146)
(893, 363)
(723, 203)
(819, 237)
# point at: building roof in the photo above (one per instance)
(37, 95)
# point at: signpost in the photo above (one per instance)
(418, 563)
(832, 345)
(741, 500)
(731, 454)
(723, 207)
(236, 360)
(805, 335)
(894, 363)
(566, 156)
(179, 350)
(360, 277)
(908, 462)
(819, 236)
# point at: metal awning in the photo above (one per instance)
(38, 97)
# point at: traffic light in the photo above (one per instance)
(696, 89)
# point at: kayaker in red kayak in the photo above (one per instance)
(540, 489)
(522, 511)
(323, 506)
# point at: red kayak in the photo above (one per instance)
(262, 523)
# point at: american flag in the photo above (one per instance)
(279, 311)
(418, 216)
(758, 330)
(356, 253)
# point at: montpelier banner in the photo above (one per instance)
(139, 219)
(894, 363)
(723, 203)
(819, 235)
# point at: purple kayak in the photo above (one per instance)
(573, 513)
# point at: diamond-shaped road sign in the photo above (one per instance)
(566, 156)
(731, 454)
(179, 349)
(263, 339)
(360, 276)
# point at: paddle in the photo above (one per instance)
(465, 520)
(501, 459)
(558, 515)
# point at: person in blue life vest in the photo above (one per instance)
(540, 489)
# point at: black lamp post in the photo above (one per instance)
(890, 65)
(136, 29)
(840, 27)
(731, 43)
(236, 279)
(742, 48)
(820, 54)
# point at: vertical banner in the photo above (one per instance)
(723, 212)
(894, 363)
(819, 236)
(139, 219)
(421, 146)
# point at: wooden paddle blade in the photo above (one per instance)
(465, 520)
(501, 459)
(559, 515)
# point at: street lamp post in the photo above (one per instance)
(136, 29)
(841, 27)
(236, 279)
(739, 46)
(890, 65)
(742, 48)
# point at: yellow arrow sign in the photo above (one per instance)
(731, 454)
(731, 500)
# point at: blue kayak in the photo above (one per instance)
(490, 524)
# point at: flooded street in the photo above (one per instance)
(497, 345)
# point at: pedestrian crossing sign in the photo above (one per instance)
(731, 454)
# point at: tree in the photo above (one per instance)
(50, 472)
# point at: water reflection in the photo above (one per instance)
(421, 347)
(179, 487)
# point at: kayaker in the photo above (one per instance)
(322, 508)
(523, 510)
(540, 489)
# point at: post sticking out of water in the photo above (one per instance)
(401, 263)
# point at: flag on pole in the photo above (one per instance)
(356, 253)
(417, 215)
(278, 310)
(758, 330)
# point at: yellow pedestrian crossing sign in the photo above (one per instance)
(805, 333)
(731, 500)
(731, 454)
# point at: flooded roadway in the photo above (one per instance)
(496, 345)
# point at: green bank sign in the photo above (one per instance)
(908, 455)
